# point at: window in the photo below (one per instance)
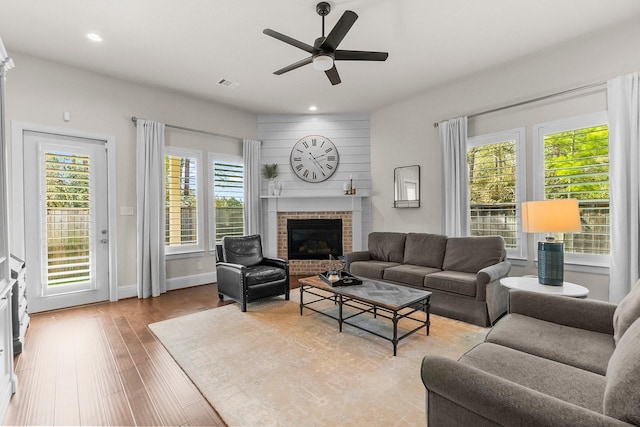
(227, 201)
(495, 179)
(183, 181)
(572, 160)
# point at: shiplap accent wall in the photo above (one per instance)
(351, 135)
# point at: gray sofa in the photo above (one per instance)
(462, 272)
(552, 361)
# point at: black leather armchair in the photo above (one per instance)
(244, 275)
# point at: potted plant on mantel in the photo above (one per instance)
(270, 172)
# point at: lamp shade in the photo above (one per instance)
(551, 216)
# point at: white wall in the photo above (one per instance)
(349, 132)
(403, 133)
(40, 91)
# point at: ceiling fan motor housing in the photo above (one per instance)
(323, 8)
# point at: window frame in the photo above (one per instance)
(211, 159)
(556, 126)
(518, 135)
(198, 247)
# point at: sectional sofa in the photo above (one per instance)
(463, 273)
(552, 361)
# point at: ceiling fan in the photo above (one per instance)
(324, 51)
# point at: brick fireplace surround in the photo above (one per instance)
(278, 209)
(312, 266)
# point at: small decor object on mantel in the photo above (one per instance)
(349, 189)
(270, 172)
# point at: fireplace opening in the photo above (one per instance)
(314, 238)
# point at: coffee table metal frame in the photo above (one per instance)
(342, 297)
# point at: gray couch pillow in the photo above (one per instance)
(387, 246)
(622, 393)
(472, 254)
(425, 249)
(627, 312)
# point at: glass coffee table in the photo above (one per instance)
(378, 298)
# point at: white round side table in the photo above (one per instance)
(531, 284)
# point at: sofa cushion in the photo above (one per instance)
(425, 249)
(581, 348)
(565, 382)
(452, 281)
(370, 269)
(472, 254)
(622, 394)
(387, 246)
(627, 312)
(409, 274)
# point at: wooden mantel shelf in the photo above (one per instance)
(317, 196)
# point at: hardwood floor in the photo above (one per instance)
(101, 365)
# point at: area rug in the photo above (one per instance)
(271, 366)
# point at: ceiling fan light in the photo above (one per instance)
(323, 62)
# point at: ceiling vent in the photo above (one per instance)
(228, 83)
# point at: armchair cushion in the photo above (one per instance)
(622, 394)
(472, 254)
(627, 312)
(245, 250)
(258, 274)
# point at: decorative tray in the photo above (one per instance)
(343, 279)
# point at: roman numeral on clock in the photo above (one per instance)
(299, 167)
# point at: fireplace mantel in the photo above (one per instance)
(311, 203)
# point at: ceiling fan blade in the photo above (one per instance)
(339, 31)
(360, 55)
(333, 75)
(289, 40)
(293, 66)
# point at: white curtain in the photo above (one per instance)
(150, 208)
(623, 95)
(455, 177)
(252, 202)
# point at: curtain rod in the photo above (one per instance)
(134, 119)
(529, 101)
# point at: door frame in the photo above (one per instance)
(17, 191)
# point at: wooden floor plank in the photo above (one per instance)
(100, 364)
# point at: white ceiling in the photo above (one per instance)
(189, 45)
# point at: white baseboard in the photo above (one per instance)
(189, 281)
(128, 291)
(131, 291)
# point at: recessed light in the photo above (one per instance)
(313, 108)
(94, 37)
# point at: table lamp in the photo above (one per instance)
(551, 216)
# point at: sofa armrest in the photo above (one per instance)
(356, 256)
(498, 400)
(493, 272)
(592, 315)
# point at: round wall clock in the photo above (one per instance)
(314, 158)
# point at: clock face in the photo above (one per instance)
(314, 158)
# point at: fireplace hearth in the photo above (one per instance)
(314, 239)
